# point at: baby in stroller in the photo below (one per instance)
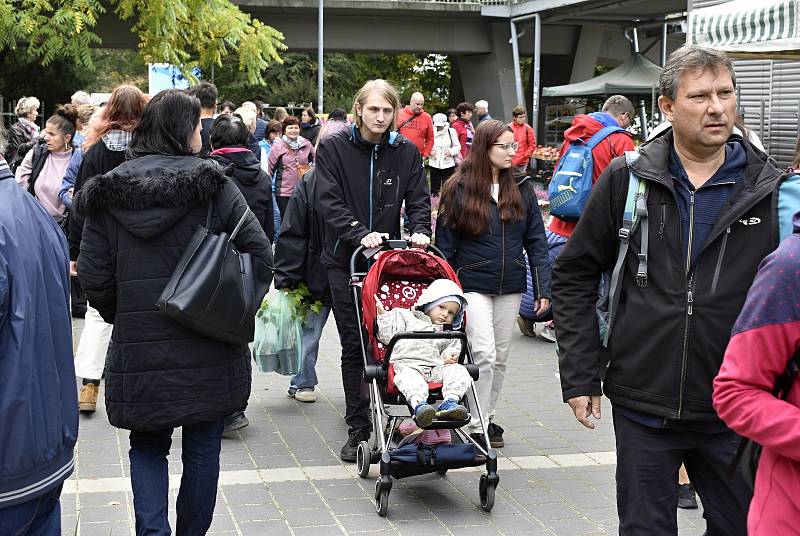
(417, 362)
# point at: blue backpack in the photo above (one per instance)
(572, 179)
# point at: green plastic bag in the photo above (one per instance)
(278, 337)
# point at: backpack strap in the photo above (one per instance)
(635, 212)
(602, 134)
(788, 204)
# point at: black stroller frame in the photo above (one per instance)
(387, 418)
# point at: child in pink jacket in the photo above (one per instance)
(765, 338)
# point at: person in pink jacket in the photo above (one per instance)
(765, 338)
(290, 157)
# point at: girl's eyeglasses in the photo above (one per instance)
(508, 147)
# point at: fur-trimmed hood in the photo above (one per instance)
(150, 193)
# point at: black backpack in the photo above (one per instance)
(749, 452)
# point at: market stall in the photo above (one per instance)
(768, 29)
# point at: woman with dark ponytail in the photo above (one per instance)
(487, 221)
(44, 166)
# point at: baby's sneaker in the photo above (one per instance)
(424, 414)
(451, 410)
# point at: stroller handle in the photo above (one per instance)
(389, 244)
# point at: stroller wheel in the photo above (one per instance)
(363, 459)
(486, 492)
(381, 499)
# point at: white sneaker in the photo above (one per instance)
(548, 333)
(306, 394)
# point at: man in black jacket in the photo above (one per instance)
(711, 221)
(364, 175)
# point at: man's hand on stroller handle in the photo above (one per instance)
(373, 240)
(419, 240)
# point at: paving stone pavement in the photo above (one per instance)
(282, 475)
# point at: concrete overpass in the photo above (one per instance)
(575, 34)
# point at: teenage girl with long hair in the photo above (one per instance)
(487, 221)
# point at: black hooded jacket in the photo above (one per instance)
(669, 337)
(301, 239)
(139, 218)
(254, 183)
(361, 188)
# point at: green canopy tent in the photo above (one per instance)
(749, 29)
(637, 75)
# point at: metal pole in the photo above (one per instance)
(517, 68)
(537, 56)
(664, 44)
(320, 67)
(642, 110)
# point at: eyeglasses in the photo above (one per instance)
(508, 147)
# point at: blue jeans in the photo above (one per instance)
(38, 517)
(312, 331)
(201, 443)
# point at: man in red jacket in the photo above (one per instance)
(416, 125)
(616, 111)
(525, 137)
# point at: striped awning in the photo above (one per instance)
(749, 28)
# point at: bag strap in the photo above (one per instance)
(788, 201)
(407, 121)
(239, 225)
(634, 213)
(601, 134)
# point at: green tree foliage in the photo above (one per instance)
(186, 33)
(295, 80)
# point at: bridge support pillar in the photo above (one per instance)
(491, 76)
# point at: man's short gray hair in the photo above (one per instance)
(617, 105)
(482, 104)
(691, 58)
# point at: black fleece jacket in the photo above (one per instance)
(139, 218)
(670, 336)
(362, 187)
(297, 253)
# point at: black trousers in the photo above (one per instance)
(78, 298)
(356, 395)
(283, 202)
(647, 478)
(438, 178)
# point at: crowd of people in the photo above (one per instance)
(675, 247)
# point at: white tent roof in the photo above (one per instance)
(636, 75)
(748, 28)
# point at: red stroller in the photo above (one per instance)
(400, 274)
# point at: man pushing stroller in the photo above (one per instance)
(419, 361)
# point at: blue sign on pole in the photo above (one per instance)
(163, 76)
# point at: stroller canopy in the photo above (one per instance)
(396, 264)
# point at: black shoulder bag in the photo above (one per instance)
(213, 289)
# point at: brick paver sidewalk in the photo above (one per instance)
(281, 475)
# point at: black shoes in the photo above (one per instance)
(687, 499)
(496, 436)
(350, 448)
